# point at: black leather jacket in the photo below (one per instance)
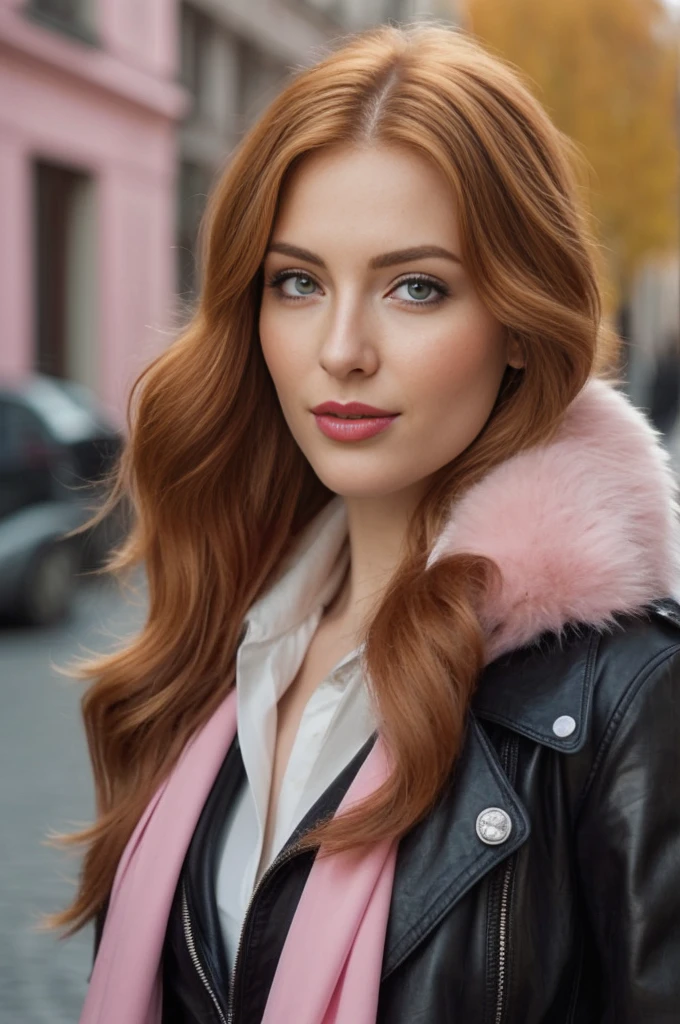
(571, 916)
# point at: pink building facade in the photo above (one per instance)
(88, 158)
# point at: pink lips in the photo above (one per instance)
(373, 421)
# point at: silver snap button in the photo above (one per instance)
(564, 726)
(493, 825)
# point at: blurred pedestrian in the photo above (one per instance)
(398, 741)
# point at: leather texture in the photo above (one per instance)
(573, 919)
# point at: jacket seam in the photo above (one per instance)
(576, 984)
(257, 930)
(618, 715)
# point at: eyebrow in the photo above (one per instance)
(386, 259)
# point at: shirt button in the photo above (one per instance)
(564, 726)
(494, 825)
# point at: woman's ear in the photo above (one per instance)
(515, 355)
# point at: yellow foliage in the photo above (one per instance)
(606, 71)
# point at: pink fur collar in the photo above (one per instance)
(582, 528)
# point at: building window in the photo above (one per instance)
(336, 8)
(196, 34)
(259, 79)
(64, 273)
(74, 17)
(194, 185)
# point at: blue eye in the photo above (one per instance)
(303, 284)
(416, 288)
(421, 291)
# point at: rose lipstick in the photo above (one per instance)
(331, 419)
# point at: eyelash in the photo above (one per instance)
(284, 275)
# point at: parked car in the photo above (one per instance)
(56, 447)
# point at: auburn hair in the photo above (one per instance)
(220, 489)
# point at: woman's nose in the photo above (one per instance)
(349, 342)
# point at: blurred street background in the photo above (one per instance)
(115, 118)
(45, 784)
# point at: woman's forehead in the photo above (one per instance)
(377, 199)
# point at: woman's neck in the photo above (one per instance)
(377, 535)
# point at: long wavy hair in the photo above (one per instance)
(221, 490)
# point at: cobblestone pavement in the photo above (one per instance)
(45, 784)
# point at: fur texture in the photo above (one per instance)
(582, 529)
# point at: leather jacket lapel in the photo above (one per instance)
(543, 692)
(443, 856)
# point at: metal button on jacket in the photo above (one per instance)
(493, 825)
(564, 725)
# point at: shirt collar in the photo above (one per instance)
(309, 578)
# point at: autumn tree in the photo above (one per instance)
(606, 70)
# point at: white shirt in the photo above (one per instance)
(336, 722)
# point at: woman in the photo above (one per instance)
(437, 641)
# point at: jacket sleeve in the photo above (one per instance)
(628, 850)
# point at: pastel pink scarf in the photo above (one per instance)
(329, 970)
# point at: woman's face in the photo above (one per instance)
(352, 312)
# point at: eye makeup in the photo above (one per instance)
(275, 281)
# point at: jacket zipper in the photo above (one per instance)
(191, 946)
(283, 857)
(509, 762)
(286, 855)
(503, 942)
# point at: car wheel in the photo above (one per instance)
(49, 584)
